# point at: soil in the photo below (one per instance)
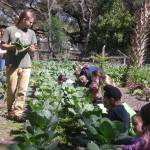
(11, 131)
(133, 101)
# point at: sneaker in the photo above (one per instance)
(19, 118)
(11, 114)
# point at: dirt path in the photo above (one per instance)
(134, 102)
(10, 131)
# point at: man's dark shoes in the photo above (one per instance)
(11, 114)
(19, 118)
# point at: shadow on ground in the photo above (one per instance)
(10, 130)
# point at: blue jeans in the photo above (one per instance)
(2, 63)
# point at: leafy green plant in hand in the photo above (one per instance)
(20, 45)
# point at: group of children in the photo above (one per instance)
(103, 89)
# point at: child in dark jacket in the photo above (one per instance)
(112, 102)
(84, 73)
(116, 111)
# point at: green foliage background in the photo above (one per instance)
(112, 27)
(54, 29)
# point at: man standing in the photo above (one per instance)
(18, 63)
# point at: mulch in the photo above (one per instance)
(134, 102)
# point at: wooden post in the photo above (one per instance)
(103, 51)
(124, 60)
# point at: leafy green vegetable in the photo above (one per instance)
(20, 45)
(92, 146)
(64, 114)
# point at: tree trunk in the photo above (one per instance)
(49, 7)
(139, 38)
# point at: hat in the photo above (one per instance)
(112, 92)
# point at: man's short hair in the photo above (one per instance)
(62, 77)
(112, 92)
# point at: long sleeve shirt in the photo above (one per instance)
(142, 143)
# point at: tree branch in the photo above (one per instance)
(10, 16)
(10, 6)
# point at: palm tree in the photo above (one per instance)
(139, 37)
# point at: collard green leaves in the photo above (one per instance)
(22, 47)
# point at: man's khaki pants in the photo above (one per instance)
(17, 81)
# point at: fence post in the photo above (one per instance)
(103, 51)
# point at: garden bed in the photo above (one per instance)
(61, 115)
(12, 131)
